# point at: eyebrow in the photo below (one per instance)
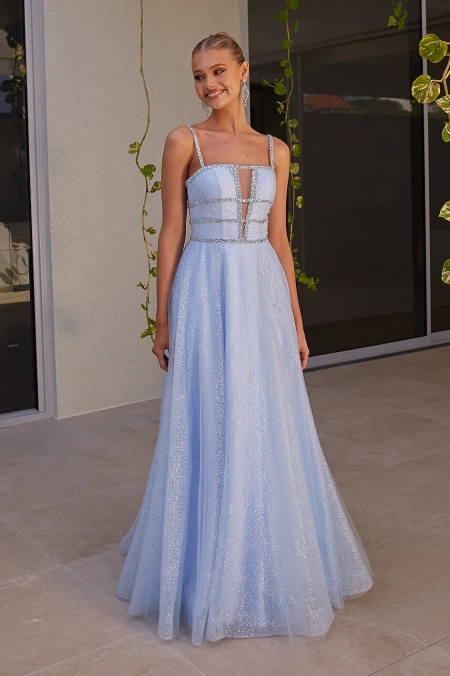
(197, 70)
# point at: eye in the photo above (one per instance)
(219, 70)
(198, 77)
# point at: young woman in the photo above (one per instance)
(242, 531)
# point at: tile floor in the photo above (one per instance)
(69, 489)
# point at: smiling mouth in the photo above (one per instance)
(214, 95)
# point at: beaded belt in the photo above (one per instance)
(241, 241)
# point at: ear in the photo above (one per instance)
(245, 69)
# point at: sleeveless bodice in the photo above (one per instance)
(215, 200)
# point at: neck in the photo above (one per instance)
(231, 118)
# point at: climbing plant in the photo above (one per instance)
(428, 90)
(147, 171)
(284, 88)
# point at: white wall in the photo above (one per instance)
(95, 108)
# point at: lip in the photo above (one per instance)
(214, 95)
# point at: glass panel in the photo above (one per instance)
(18, 386)
(438, 21)
(362, 227)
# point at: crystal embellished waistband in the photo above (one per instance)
(240, 241)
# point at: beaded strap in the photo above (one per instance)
(197, 145)
(272, 162)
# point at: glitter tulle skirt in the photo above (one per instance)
(242, 531)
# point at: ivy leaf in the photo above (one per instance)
(156, 186)
(445, 211)
(293, 4)
(295, 182)
(446, 133)
(283, 62)
(148, 170)
(296, 25)
(299, 202)
(145, 333)
(296, 149)
(288, 72)
(151, 231)
(134, 148)
(293, 123)
(265, 83)
(287, 44)
(294, 138)
(294, 167)
(282, 16)
(432, 48)
(280, 89)
(446, 272)
(444, 103)
(392, 21)
(424, 89)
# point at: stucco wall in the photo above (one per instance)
(95, 108)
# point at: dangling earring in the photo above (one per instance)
(206, 109)
(244, 92)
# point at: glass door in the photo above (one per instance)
(18, 382)
(438, 22)
(362, 228)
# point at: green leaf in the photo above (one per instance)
(424, 89)
(294, 167)
(282, 16)
(392, 21)
(293, 123)
(280, 89)
(284, 62)
(444, 103)
(293, 4)
(156, 186)
(445, 211)
(287, 44)
(432, 48)
(147, 170)
(299, 202)
(295, 182)
(145, 333)
(134, 148)
(296, 25)
(446, 133)
(294, 138)
(265, 83)
(446, 272)
(151, 230)
(296, 149)
(288, 72)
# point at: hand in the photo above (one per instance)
(161, 343)
(303, 348)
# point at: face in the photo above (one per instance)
(217, 77)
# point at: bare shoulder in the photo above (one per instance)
(179, 143)
(281, 150)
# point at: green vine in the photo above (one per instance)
(427, 90)
(147, 171)
(283, 90)
(398, 16)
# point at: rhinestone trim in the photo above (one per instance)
(248, 218)
(231, 166)
(226, 199)
(240, 241)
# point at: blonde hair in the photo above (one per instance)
(221, 40)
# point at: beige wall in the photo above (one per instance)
(95, 108)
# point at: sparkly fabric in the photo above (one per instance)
(242, 531)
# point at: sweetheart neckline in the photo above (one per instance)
(229, 164)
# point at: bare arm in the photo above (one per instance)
(175, 162)
(279, 239)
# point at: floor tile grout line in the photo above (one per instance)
(60, 502)
(410, 532)
(391, 626)
(56, 664)
(372, 673)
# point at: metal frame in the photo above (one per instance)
(430, 339)
(40, 230)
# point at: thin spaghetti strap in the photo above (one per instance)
(197, 145)
(272, 162)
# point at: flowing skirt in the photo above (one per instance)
(242, 531)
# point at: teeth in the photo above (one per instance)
(210, 96)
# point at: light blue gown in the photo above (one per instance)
(242, 531)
